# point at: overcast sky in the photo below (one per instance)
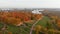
(29, 3)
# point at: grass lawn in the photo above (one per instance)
(43, 22)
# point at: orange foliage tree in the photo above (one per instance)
(17, 18)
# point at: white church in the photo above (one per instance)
(37, 11)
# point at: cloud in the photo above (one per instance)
(29, 3)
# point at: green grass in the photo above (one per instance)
(12, 28)
(1, 25)
(43, 22)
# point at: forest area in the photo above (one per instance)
(25, 22)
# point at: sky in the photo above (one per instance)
(29, 3)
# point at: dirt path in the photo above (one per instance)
(34, 25)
